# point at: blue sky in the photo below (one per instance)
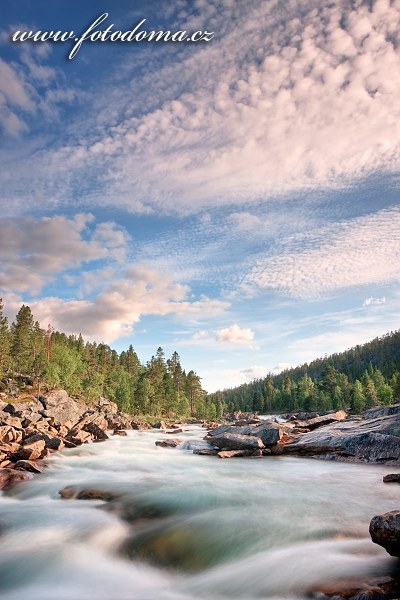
(235, 200)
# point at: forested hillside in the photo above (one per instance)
(362, 377)
(88, 369)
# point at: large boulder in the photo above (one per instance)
(267, 431)
(236, 441)
(61, 408)
(373, 440)
(168, 443)
(9, 477)
(321, 420)
(385, 531)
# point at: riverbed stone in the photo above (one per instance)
(9, 477)
(168, 443)
(391, 478)
(234, 453)
(385, 531)
(74, 492)
(31, 451)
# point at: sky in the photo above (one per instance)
(235, 200)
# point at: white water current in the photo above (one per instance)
(189, 527)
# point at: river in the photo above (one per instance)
(189, 527)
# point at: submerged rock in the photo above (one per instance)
(168, 443)
(29, 465)
(392, 478)
(74, 492)
(385, 531)
(9, 477)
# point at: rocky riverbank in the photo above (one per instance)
(32, 429)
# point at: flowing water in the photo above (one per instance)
(183, 526)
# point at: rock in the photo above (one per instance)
(93, 418)
(392, 478)
(385, 531)
(268, 431)
(12, 421)
(78, 493)
(99, 435)
(175, 431)
(234, 453)
(372, 440)
(62, 408)
(168, 443)
(235, 441)
(340, 415)
(9, 434)
(28, 465)
(121, 432)
(159, 425)
(78, 436)
(31, 451)
(208, 451)
(382, 411)
(9, 477)
(51, 442)
(104, 405)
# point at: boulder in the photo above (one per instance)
(9, 434)
(29, 465)
(175, 431)
(385, 531)
(106, 406)
(159, 425)
(51, 442)
(319, 421)
(372, 440)
(74, 492)
(121, 432)
(92, 418)
(78, 436)
(61, 408)
(99, 435)
(392, 478)
(31, 451)
(236, 441)
(168, 443)
(268, 431)
(208, 451)
(234, 453)
(9, 477)
(382, 411)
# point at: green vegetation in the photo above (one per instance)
(160, 388)
(360, 378)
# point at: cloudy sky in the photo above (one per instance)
(236, 200)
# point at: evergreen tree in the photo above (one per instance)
(5, 341)
(22, 340)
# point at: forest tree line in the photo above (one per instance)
(51, 359)
(365, 376)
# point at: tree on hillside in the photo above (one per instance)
(5, 341)
(22, 340)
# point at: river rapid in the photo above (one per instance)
(189, 527)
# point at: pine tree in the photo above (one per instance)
(5, 341)
(22, 340)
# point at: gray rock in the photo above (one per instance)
(382, 411)
(62, 408)
(385, 531)
(236, 441)
(374, 440)
(168, 443)
(392, 478)
(267, 431)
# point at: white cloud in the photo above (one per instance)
(33, 251)
(242, 119)
(235, 335)
(339, 256)
(245, 221)
(199, 335)
(374, 301)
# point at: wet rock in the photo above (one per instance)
(78, 436)
(120, 432)
(234, 453)
(92, 418)
(268, 431)
(9, 477)
(175, 431)
(51, 442)
(385, 531)
(382, 411)
(29, 465)
(168, 443)
(206, 451)
(159, 425)
(392, 478)
(132, 510)
(235, 441)
(74, 492)
(99, 435)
